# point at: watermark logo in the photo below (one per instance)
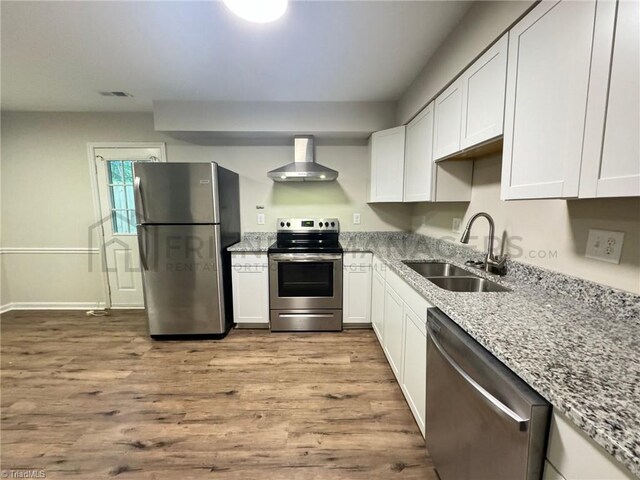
(23, 473)
(154, 248)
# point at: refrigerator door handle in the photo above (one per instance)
(138, 190)
(142, 243)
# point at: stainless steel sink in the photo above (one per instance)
(437, 269)
(467, 284)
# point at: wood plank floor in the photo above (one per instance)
(87, 397)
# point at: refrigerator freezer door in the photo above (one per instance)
(179, 193)
(182, 272)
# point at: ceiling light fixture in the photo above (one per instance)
(259, 11)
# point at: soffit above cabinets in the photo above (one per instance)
(272, 122)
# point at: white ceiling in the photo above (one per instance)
(59, 55)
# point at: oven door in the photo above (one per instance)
(305, 281)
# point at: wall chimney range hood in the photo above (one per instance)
(304, 167)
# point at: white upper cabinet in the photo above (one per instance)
(611, 163)
(387, 165)
(546, 101)
(448, 121)
(483, 91)
(419, 165)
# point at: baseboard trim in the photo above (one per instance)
(52, 306)
(356, 326)
(253, 326)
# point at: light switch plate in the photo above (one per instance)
(604, 245)
(261, 219)
(356, 219)
(456, 225)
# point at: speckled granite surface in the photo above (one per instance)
(575, 342)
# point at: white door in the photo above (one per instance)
(548, 71)
(114, 180)
(377, 305)
(448, 121)
(250, 282)
(611, 163)
(414, 366)
(387, 165)
(483, 90)
(393, 322)
(418, 164)
(356, 303)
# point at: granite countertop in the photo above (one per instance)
(577, 343)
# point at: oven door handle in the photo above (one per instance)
(304, 257)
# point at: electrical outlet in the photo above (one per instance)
(260, 219)
(456, 225)
(356, 219)
(604, 245)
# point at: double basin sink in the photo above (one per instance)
(453, 278)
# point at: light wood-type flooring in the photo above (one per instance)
(85, 397)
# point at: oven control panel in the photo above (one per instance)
(308, 225)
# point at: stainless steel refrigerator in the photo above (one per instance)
(187, 215)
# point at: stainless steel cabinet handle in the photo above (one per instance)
(305, 315)
(138, 191)
(141, 247)
(496, 405)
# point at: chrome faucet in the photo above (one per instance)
(492, 263)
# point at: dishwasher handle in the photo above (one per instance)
(496, 405)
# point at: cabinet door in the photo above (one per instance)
(414, 366)
(393, 326)
(576, 456)
(483, 91)
(611, 164)
(356, 302)
(448, 121)
(377, 305)
(387, 165)
(418, 164)
(547, 81)
(250, 283)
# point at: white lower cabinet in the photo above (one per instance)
(550, 473)
(399, 316)
(356, 284)
(393, 323)
(377, 304)
(414, 365)
(575, 456)
(250, 284)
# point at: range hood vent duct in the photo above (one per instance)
(304, 167)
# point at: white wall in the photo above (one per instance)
(482, 24)
(47, 202)
(550, 233)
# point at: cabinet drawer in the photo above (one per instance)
(577, 457)
(249, 259)
(358, 259)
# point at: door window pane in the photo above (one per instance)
(115, 171)
(127, 167)
(118, 199)
(123, 209)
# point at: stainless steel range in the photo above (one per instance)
(305, 276)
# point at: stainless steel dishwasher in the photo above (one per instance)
(482, 421)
